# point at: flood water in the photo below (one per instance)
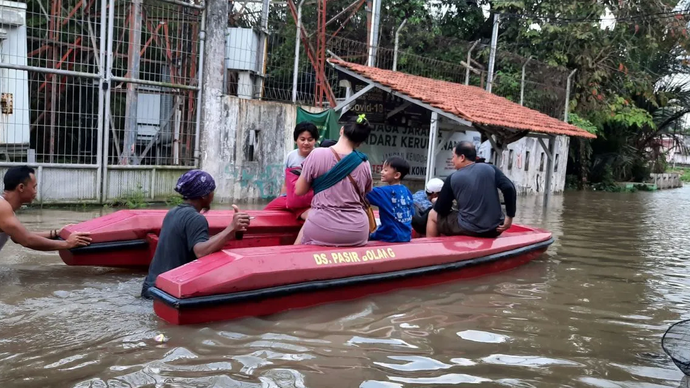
(589, 313)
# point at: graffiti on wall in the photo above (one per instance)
(264, 181)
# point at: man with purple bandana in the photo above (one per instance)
(184, 234)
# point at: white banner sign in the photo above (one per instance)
(412, 144)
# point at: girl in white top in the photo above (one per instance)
(305, 134)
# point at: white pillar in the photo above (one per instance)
(298, 35)
(492, 54)
(374, 35)
(431, 157)
(549, 169)
(397, 41)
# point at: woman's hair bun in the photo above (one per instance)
(357, 129)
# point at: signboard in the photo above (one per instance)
(444, 159)
(402, 129)
(412, 144)
(382, 107)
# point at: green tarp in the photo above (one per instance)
(326, 122)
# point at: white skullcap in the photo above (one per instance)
(434, 186)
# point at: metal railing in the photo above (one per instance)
(49, 82)
(152, 109)
(543, 87)
(100, 82)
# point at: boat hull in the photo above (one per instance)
(128, 238)
(237, 283)
(263, 273)
(223, 307)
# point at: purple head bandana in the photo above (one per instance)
(195, 184)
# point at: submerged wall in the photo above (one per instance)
(244, 152)
(525, 161)
(666, 181)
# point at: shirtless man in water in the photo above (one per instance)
(20, 188)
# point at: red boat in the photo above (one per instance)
(128, 238)
(264, 274)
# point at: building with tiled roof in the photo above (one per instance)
(530, 144)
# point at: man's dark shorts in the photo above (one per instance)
(419, 220)
(448, 226)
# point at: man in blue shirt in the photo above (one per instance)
(395, 203)
(474, 186)
(423, 199)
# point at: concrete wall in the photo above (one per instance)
(679, 160)
(677, 150)
(246, 150)
(527, 171)
(666, 181)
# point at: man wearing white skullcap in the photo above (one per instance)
(423, 201)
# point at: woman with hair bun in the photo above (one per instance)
(337, 216)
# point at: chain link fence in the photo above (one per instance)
(49, 85)
(58, 54)
(154, 83)
(543, 87)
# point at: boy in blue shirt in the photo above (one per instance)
(395, 203)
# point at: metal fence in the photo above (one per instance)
(534, 84)
(153, 83)
(88, 84)
(542, 88)
(49, 79)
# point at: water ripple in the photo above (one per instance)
(588, 313)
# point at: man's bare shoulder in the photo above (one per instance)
(6, 208)
(7, 216)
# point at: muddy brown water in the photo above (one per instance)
(589, 313)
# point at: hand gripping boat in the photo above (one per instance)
(264, 274)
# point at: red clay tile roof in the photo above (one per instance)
(467, 102)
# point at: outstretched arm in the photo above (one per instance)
(375, 196)
(213, 244)
(51, 234)
(9, 223)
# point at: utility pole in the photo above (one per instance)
(397, 41)
(133, 65)
(522, 83)
(213, 142)
(374, 32)
(567, 95)
(469, 62)
(262, 55)
(492, 55)
(295, 70)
